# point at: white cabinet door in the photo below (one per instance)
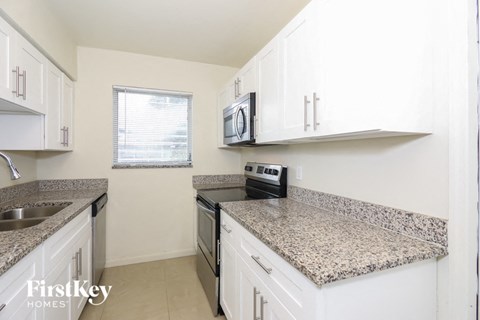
(268, 109)
(17, 305)
(68, 91)
(60, 308)
(295, 76)
(256, 301)
(246, 78)
(54, 137)
(84, 268)
(32, 75)
(375, 77)
(228, 272)
(7, 54)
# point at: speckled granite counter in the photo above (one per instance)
(206, 182)
(16, 244)
(324, 246)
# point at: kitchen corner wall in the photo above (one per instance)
(41, 24)
(150, 211)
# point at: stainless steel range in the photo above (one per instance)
(264, 181)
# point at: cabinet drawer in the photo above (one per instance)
(59, 244)
(229, 228)
(289, 285)
(14, 285)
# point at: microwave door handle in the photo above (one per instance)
(235, 123)
(240, 134)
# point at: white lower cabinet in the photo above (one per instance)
(256, 300)
(256, 283)
(228, 270)
(14, 301)
(63, 258)
(68, 258)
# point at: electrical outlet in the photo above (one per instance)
(299, 173)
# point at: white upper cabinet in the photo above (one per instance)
(58, 120)
(296, 74)
(375, 70)
(30, 72)
(22, 74)
(268, 108)
(343, 69)
(7, 36)
(246, 79)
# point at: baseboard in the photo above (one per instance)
(148, 258)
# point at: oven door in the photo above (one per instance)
(206, 234)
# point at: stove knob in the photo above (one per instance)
(248, 168)
(275, 172)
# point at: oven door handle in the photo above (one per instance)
(206, 209)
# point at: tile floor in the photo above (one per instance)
(159, 290)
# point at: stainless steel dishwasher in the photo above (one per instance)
(99, 224)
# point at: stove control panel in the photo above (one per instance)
(266, 172)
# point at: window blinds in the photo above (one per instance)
(151, 127)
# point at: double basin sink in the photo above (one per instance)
(20, 218)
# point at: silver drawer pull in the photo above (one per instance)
(262, 303)
(224, 226)
(3, 305)
(257, 260)
(255, 292)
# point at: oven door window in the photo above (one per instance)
(206, 230)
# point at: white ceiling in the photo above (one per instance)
(223, 32)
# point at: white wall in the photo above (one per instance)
(26, 165)
(406, 173)
(35, 18)
(150, 213)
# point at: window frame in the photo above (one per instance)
(188, 163)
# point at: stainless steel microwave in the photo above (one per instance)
(238, 121)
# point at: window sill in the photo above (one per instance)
(152, 166)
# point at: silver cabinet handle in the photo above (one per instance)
(262, 303)
(305, 113)
(24, 76)
(79, 260)
(218, 251)
(315, 99)
(235, 88)
(238, 85)
(68, 136)
(257, 260)
(63, 136)
(3, 305)
(255, 292)
(224, 226)
(75, 265)
(16, 71)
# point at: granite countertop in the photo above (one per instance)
(220, 181)
(325, 246)
(16, 244)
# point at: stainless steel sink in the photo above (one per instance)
(7, 225)
(20, 218)
(34, 212)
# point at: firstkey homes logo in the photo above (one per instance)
(55, 294)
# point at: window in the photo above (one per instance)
(152, 128)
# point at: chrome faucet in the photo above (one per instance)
(14, 174)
